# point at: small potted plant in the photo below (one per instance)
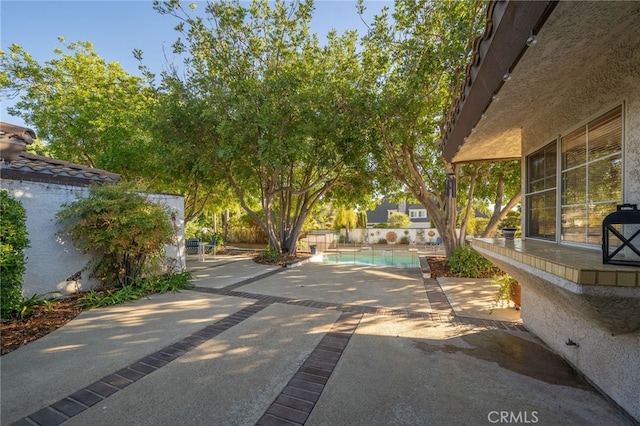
(509, 233)
(509, 289)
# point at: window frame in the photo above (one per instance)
(589, 204)
(529, 193)
(419, 213)
(559, 188)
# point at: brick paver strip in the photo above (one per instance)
(60, 411)
(441, 309)
(299, 397)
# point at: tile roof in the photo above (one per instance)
(11, 131)
(37, 168)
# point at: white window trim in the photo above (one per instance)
(559, 171)
(418, 213)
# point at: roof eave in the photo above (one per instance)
(509, 27)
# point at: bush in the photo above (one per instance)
(161, 284)
(405, 240)
(399, 220)
(466, 262)
(506, 287)
(382, 241)
(13, 240)
(128, 231)
(480, 225)
(269, 255)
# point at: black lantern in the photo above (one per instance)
(618, 234)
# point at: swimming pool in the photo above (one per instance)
(375, 257)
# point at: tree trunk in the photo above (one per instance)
(226, 225)
(497, 217)
(465, 219)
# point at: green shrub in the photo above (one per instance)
(362, 220)
(269, 256)
(127, 231)
(381, 225)
(399, 220)
(506, 287)
(13, 240)
(382, 241)
(405, 240)
(466, 262)
(173, 282)
(480, 225)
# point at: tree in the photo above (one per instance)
(496, 183)
(413, 66)
(13, 241)
(277, 113)
(181, 151)
(91, 112)
(94, 113)
(128, 231)
(399, 220)
(347, 219)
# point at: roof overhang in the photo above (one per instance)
(511, 29)
(510, 80)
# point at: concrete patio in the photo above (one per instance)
(316, 344)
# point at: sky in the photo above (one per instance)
(116, 28)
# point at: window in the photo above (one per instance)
(590, 182)
(541, 193)
(591, 177)
(417, 213)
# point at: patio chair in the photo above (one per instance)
(437, 244)
(192, 245)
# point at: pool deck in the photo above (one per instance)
(314, 344)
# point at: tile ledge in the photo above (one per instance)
(578, 265)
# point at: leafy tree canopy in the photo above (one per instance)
(277, 112)
(89, 110)
(414, 65)
(399, 220)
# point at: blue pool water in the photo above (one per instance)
(397, 258)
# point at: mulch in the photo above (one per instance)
(15, 333)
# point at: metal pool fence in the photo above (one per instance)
(403, 257)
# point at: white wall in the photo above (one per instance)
(610, 362)
(52, 259)
(372, 235)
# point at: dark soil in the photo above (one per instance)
(44, 320)
(439, 267)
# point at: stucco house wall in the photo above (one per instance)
(52, 259)
(609, 361)
(541, 71)
(602, 84)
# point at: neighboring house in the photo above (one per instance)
(43, 185)
(383, 211)
(557, 85)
